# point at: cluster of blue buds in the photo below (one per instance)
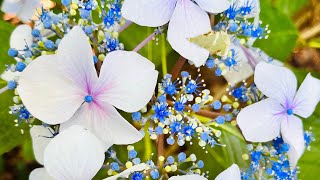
(235, 21)
(271, 159)
(155, 168)
(174, 112)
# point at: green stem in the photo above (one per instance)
(163, 54)
(147, 143)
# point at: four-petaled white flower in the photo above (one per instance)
(73, 154)
(187, 20)
(264, 120)
(232, 173)
(65, 88)
(23, 9)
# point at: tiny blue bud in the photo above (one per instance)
(154, 174)
(233, 27)
(182, 157)
(170, 141)
(136, 116)
(132, 154)
(88, 99)
(35, 33)
(95, 59)
(216, 105)
(114, 166)
(136, 161)
(170, 159)
(220, 119)
(49, 45)
(184, 74)
(27, 54)
(289, 111)
(159, 130)
(210, 63)
(47, 24)
(200, 164)
(218, 72)
(196, 107)
(20, 66)
(227, 107)
(12, 85)
(13, 52)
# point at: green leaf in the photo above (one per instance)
(290, 7)
(283, 36)
(10, 135)
(5, 31)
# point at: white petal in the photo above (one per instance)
(28, 9)
(260, 122)
(276, 82)
(127, 81)
(292, 133)
(71, 75)
(41, 136)
(74, 154)
(40, 174)
(106, 123)
(126, 173)
(232, 173)
(151, 13)
(76, 59)
(213, 6)
(307, 97)
(188, 21)
(20, 37)
(47, 93)
(11, 6)
(188, 177)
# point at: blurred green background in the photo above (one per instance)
(294, 39)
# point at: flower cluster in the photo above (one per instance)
(135, 169)
(173, 112)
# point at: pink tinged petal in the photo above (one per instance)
(41, 136)
(188, 20)
(40, 174)
(27, 10)
(127, 81)
(9, 6)
(126, 173)
(307, 97)
(292, 133)
(232, 173)
(74, 154)
(106, 123)
(152, 13)
(20, 37)
(276, 82)
(76, 59)
(213, 6)
(47, 93)
(260, 122)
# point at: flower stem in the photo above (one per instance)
(149, 38)
(2, 90)
(147, 143)
(125, 26)
(163, 55)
